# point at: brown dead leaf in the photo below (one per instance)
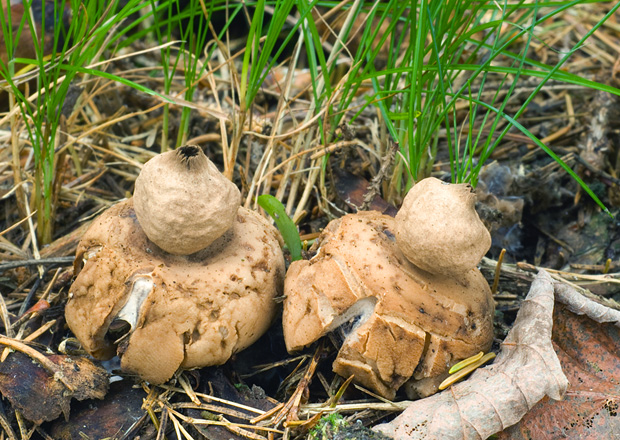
(581, 305)
(351, 190)
(41, 395)
(526, 370)
(589, 354)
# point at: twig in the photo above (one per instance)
(208, 398)
(14, 225)
(66, 261)
(239, 428)
(163, 423)
(596, 171)
(497, 272)
(42, 433)
(31, 293)
(38, 332)
(603, 268)
(4, 316)
(35, 247)
(188, 390)
(315, 408)
(133, 430)
(22, 426)
(291, 408)
(613, 278)
(213, 409)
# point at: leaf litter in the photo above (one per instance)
(194, 400)
(586, 337)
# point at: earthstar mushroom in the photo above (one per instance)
(159, 311)
(407, 324)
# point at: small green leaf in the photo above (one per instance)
(287, 228)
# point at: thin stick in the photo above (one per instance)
(208, 397)
(66, 261)
(38, 332)
(26, 303)
(611, 278)
(498, 267)
(4, 315)
(268, 414)
(48, 289)
(237, 427)
(291, 408)
(163, 423)
(20, 423)
(10, 228)
(219, 409)
(314, 408)
(188, 390)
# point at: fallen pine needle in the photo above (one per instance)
(452, 379)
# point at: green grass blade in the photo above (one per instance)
(287, 228)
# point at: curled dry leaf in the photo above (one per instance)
(586, 338)
(580, 305)
(498, 396)
(42, 395)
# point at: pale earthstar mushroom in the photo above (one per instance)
(160, 312)
(407, 324)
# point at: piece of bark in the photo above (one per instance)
(113, 417)
(41, 395)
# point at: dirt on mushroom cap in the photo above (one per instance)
(421, 323)
(202, 308)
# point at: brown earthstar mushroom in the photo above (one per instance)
(159, 311)
(182, 201)
(406, 323)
